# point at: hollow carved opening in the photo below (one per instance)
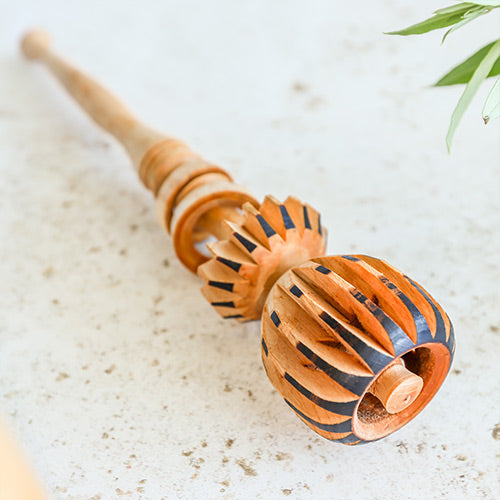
(431, 362)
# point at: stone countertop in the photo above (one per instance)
(115, 375)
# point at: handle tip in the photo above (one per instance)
(34, 43)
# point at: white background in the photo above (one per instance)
(115, 375)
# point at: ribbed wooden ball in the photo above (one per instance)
(257, 251)
(334, 332)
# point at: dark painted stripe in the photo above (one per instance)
(373, 358)
(223, 304)
(266, 226)
(246, 243)
(440, 326)
(264, 346)
(307, 222)
(451, 341)
(341, 408)
(234, 316)
(235, 266)
(222, 285)
(320, 229)
(351, 438)
(287, 220)
(421, 325)
(350, 257)
(296, 291)
(275, 319)
(400, 341)
(342, 427)
(323, 269)
(354, 383)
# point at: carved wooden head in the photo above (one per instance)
(355, 347)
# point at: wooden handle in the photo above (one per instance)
(106, 110)
(191, 193)
(17, 481)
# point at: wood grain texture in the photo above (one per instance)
(331, 327)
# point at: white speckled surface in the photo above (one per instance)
(116, 376)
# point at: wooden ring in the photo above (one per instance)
(160, 162)
(174, 184)
(196, 204)
(151, 155)
(166, 164)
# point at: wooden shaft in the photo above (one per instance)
(108, 111)
(155, 155)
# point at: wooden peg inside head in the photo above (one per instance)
(397, 387)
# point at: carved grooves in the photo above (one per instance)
(332, 324)
(267, 243)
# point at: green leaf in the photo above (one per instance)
(439, 20)
(481, 73)
(454, 8)
(464, 71)
(467, 18)
(488, 3)
(491, 109)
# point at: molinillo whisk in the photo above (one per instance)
(355, 347)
